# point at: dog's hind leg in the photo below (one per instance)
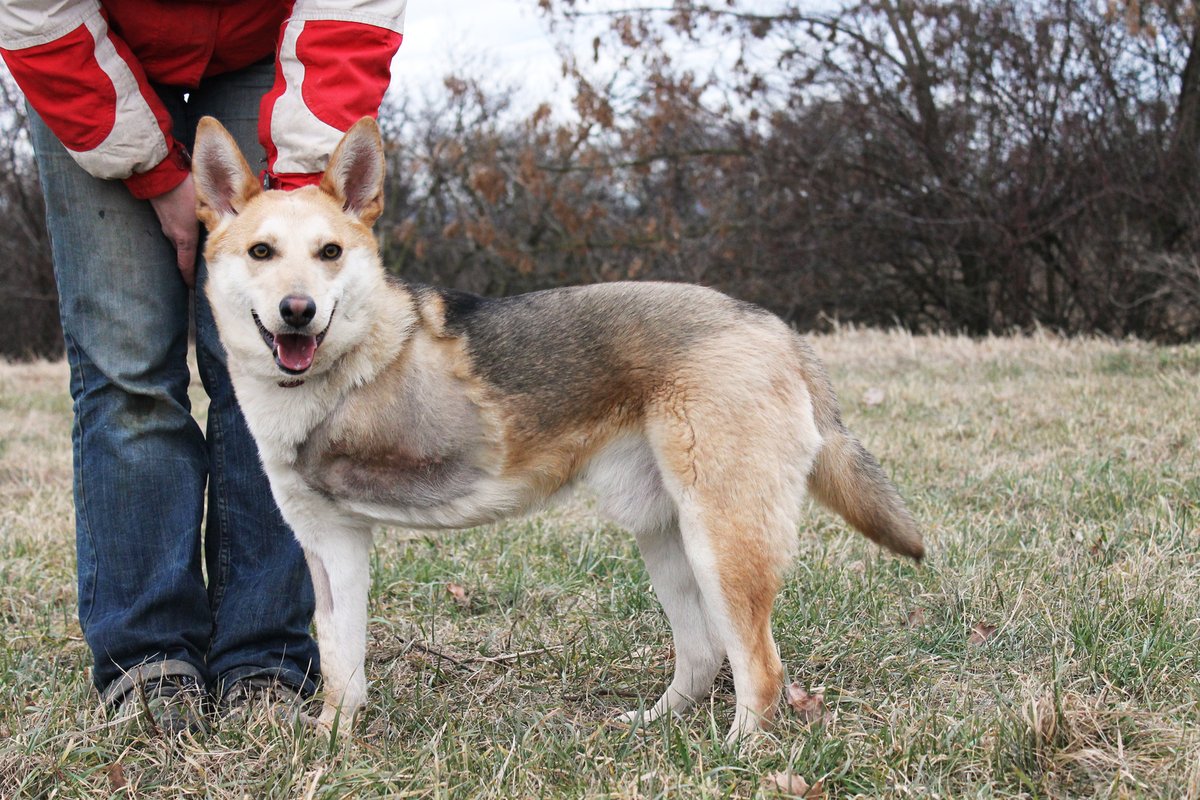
(716, 574)
(699, 650)
(737, 480)
(738, 580)
(626, 479)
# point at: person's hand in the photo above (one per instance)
(176, 212)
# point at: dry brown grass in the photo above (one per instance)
(1059, 485)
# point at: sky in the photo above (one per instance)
(509, 41)
(506, 39)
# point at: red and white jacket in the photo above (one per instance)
(86, 67)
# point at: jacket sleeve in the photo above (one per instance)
(333, 67)
(89, 89)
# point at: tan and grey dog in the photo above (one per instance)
(699, 421)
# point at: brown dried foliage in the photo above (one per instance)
(969, 166)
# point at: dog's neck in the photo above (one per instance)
(394, 321)
(285, 410)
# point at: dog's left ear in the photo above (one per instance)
(224, 182)
(354, 176)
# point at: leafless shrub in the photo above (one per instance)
(969, 166)
(973, 166)
(28, 298)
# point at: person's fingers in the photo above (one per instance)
(186, 256)
(176, 212)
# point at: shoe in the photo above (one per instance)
(167, 705)
(263, 694)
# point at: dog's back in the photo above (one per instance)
(583, 353)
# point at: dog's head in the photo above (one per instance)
(289, 272)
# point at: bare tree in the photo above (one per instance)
(972, 165)
(28, 298)
(976, 166)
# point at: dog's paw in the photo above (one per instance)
(642, 716)
(333, 720)
(309, 721)
(670, 703)
(635, 717)
(329, 723)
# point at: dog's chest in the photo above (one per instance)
(399, 479)
(401, 447)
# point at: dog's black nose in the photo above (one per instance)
(297, 310)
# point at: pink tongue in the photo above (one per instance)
(295, 351)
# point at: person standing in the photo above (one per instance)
(115, 89)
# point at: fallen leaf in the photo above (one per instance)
(915, 619)
(981, 633)
(873, 396)
(794, 786)
(116, 776)
(808, 707)
(461, 596)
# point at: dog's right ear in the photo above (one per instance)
(224, 182)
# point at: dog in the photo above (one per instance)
(700, 422)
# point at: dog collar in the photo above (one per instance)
(291, 384)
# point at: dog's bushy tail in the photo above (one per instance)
(847, 479)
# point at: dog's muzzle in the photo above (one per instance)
(294, 352)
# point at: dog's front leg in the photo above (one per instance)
(338, 559)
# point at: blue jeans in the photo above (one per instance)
(141, 460)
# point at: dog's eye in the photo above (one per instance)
(260, 251)
(331, 251)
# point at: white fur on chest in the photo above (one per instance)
(283, 419)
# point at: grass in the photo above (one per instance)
(1059, 485)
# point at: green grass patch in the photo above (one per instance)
(1058, 482)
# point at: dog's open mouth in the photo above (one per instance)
(294, 352)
